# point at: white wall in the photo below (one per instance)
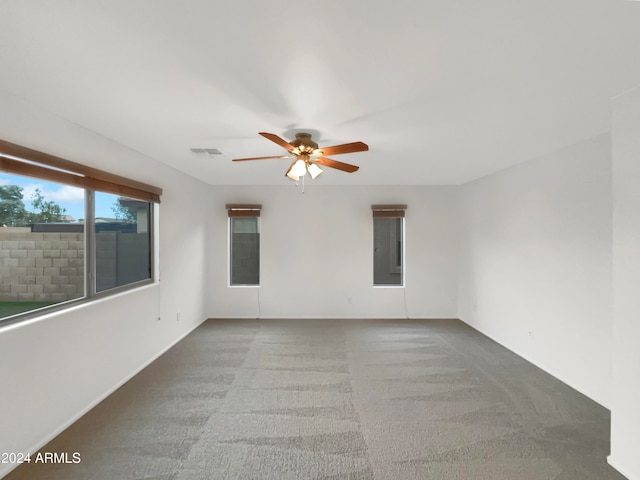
(625, 402)
(535, 264)
(56, 367)
(317, 253)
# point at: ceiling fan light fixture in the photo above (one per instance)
(299, 169)
(292, 176)
(314, 170)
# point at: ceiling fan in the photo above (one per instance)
(308, 156)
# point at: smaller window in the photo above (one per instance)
(388, 245)
(244, 245)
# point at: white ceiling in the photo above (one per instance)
(442, 91)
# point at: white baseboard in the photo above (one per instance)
(540, 365)
(100, 398)
(328, 317)
(611, 460)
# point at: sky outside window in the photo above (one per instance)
(68, 197)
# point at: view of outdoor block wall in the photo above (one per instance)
(121, 258)
(40, 267)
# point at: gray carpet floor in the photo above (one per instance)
(337, 399)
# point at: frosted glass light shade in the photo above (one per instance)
(314, 170)
(299, 169)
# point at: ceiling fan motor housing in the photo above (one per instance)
(304, 144)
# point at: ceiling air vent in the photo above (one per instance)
(208, 151)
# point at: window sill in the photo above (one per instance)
(14, 320)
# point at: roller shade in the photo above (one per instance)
(393, 211)
(32, 163)
(243, 210)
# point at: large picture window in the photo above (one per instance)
(244, 245)
(62, 242)
(388, 245)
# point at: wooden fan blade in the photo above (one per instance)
(259, 158)
(345, 167)
(276, 139)
(345, 148)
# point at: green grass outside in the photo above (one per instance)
(13, 308)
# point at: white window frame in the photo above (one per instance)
(229, 254)
(393, 267)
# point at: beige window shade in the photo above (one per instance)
(243, 210)
(32, 163)
(393, 211)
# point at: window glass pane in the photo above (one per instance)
(387, 251)
(123, 240)
(245, 251)
(41, 244)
